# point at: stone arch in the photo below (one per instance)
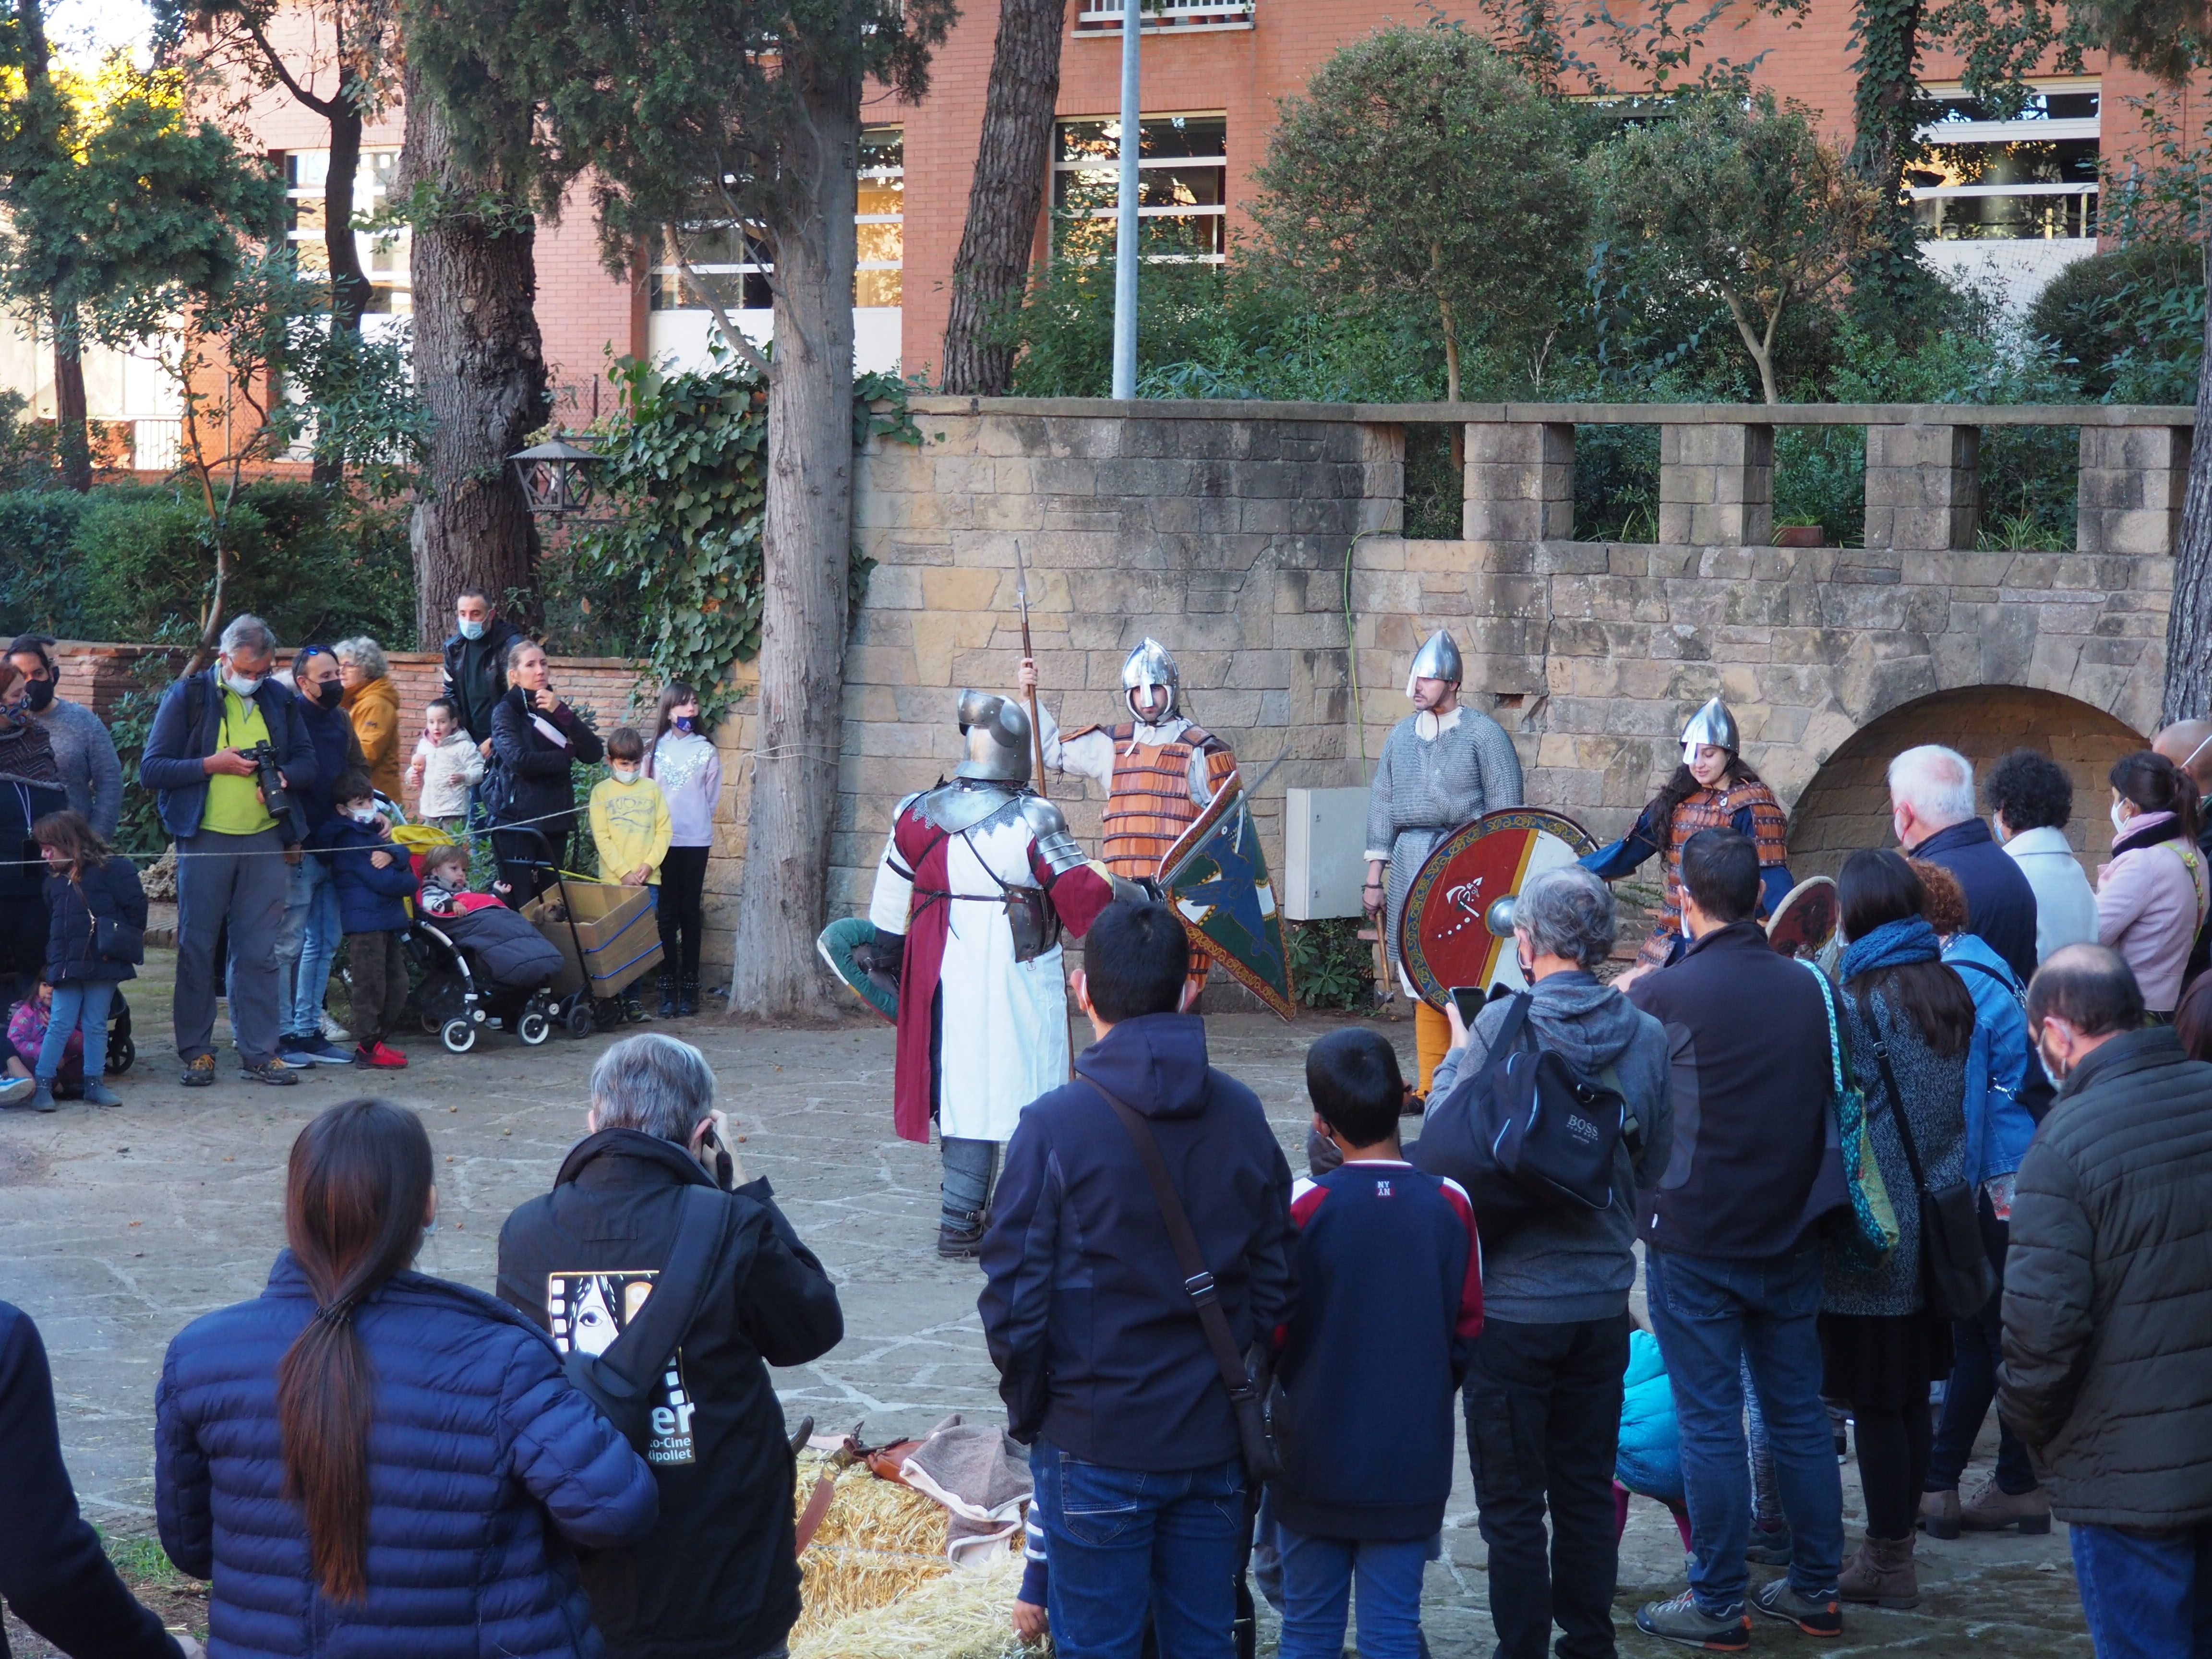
(1846, 806)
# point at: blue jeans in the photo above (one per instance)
(1121, 1541)
(80, 1001)
(307, 947)
(2146, 1594)
(1317, 1575)
(1709, 1317)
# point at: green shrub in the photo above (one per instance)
(2120, 303)
(40, 582)
(1330, 967)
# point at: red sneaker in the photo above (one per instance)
(380, 1056)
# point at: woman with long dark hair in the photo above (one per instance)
(1880, 1345)
(2152, 897)
(681, 759)
(361, 1432)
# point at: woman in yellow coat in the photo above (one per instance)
(372, 701)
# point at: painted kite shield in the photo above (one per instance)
(1216, 877)
(836, 944)
(1804, 923)
(1456, 931)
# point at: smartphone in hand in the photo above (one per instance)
(1471, 1000)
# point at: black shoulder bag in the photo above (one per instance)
(1246, 1378)
(621, 1381)
(1955, 1274)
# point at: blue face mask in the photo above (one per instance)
(471, 630)
(684, 722)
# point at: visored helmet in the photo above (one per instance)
(998, 733)
(1436, 659)
(1150, 665)
(1713, 724)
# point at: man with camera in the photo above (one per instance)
(222, 743)
(651, 1205)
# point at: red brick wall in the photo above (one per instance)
(611, 688)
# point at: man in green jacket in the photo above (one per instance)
(2108, 1304)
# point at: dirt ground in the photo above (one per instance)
(118, 1227)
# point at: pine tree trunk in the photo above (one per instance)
(2189, 620)
(72, 434)
(807, 540)
(1012, 161)
(481, 370)
(349, 284)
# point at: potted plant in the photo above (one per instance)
(1799, 529)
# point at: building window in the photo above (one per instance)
(739, 263)
(1155, 16)
(383, 253)
(1182, 188)
(2032, 177)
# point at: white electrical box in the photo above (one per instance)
(1324, 853)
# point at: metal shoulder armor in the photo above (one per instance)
(1050, 826)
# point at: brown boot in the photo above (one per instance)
(1882, 1573)
(1939, 1513)
(1993, 1510)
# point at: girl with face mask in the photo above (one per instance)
(2154, 894)
(684, 762)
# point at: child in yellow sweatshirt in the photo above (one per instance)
(630, 815)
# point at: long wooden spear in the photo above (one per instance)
(1037, 723)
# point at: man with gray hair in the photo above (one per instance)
(1555, 1285)
(1931, 807)
(719, 1574)
(203, 759)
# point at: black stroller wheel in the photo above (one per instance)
(533, 1028)
(122, 1054)
(580, 1021)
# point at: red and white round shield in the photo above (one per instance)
(1456, 931)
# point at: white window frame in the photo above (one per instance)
(1163, 163)
(1097, 17)
(1954, 134)
(370, 193)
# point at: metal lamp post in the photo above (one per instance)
(1126, 218)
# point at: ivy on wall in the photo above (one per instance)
(686, 473)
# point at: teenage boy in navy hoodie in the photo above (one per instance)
(1102, 1362)
(1381, 1327)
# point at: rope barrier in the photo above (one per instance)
(467, 837)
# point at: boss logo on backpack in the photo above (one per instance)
(1522, 1132)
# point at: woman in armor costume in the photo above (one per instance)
(1711, 789)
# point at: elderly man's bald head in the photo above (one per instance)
(2188, 745)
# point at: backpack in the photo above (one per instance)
(1524, 1133)
(1872, 1232)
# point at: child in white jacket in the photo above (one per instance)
(447, 765)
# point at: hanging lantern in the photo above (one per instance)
(557, 476)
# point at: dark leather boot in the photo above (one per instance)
(669, 1006)
(687, 996)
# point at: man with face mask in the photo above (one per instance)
(474, 667)
(232, 853)
(308, 942)
(1442, 765)
(2108, 1304)
(84, 754)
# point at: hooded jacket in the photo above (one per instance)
(485, 1467)
(716, 1579)
(374, 709)
(74, 909)
(370, 900)
(2107, 1372)
(1554, 1266)
(1753, 1165)
(1098, 1348)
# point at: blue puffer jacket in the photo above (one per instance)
(1649, 1457)
(369, 899)
(483, 1460)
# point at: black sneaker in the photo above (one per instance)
(1683, 1622)
(1780, 1600)
(271, 1071)
(1769, 1547)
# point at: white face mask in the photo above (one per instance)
(2119, 819)
(361, 814)
(625, 775)
(243, 684)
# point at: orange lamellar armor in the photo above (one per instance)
(1148, 805)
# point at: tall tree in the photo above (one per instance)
(1739, 197)
(1012, 160)
(1420, 168)
(479, 361)
(723, 124)
(343, 62)
(112, 196)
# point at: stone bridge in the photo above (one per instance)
(1260, 541)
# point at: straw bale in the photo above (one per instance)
(877, 1542)
(965, 1614)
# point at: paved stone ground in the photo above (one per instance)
(118, 1227)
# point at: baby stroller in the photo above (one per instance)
(479, 966)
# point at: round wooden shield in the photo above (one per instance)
(1805, 920)
(1455, 930)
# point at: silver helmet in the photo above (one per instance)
(1150, 665)
(1436, 659)
(1713, 724)
(998, 733)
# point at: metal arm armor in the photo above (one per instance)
(1054, 845)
